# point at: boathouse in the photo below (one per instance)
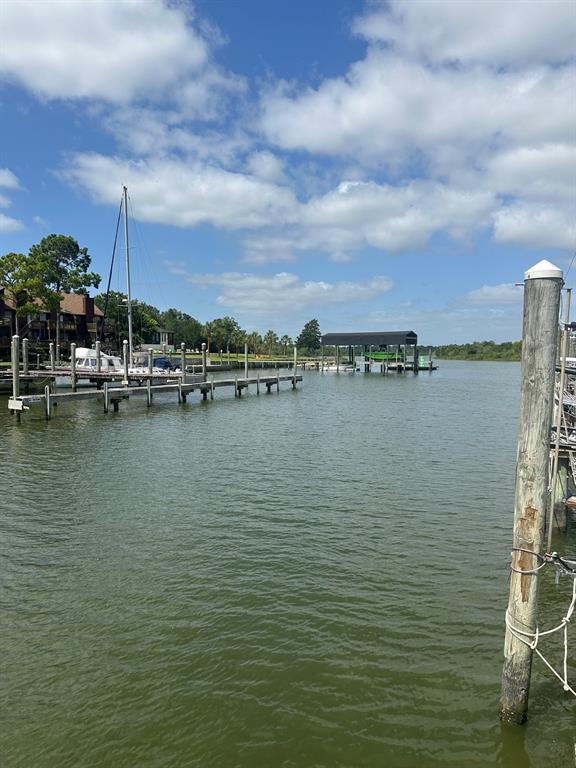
(396, 348)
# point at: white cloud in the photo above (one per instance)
(8, 224)
(491, 32)
(99, 49)
(543, 172)
(185, 194)
(266, 165)
(505, 293)
(536, 226)
(387, 107)
(283, 293)
(8, 180)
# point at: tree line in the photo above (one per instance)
(480, 350)
(57, 265)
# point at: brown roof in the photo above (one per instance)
(71, 303)
(75, 304)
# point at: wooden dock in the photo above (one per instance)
(112, 395)
(115, 386)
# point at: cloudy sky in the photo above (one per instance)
(379, 166)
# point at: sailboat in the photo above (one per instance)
(86, 358)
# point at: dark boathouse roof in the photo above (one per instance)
(376, 339)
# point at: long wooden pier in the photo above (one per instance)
(115, 386)
(112, 396)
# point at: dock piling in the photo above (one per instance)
(542, 286)
(245, 361)
(295, 364)
(52, 357)
(16, 370)
(73, 365)
(106, 397)
(98, 357)
(203, 361)
(183, 362)
(149, 393)
(25, 356)
(48, 402)
(126, 362)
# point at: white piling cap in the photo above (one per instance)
(544, 268)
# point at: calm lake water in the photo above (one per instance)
(306, 579)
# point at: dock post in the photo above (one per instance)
(16, 370)
(277, 380)
(179, 390)
(126, 363)
(106, 397)
(148, 393)
(295, 364)
(150, 362)
(258, 384)
(52, 357)
(415, 363)
(542, 286)
(558, 424)
(25, 356)
(337, 359)
(236, 390)
(220, 358)
(47, 402)
(183, 362)
(57, 354)
(245, 361)
(98, 358)
(429, 358)
(73, 365)
(203, 361)
(212, 387)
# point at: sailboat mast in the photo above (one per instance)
(129, 289)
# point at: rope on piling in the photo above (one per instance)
(532, 639)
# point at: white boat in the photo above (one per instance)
(86, 360)
(338, 368)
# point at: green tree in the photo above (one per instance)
(254, 341)
(62, 266)
(17, 276)
(310, 338)
(270, 341)
(145, 318)
(184, 327)
(223, 330)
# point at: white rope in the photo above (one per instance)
(523, 636)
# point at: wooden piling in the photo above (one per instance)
(295, 364)
(183, 362)
(203, 361)
(106, 398)
(558, 420)
(48, 403)
(73, 365)
(15, 366)
(542, 287)
(245, 361)
(212, 387)
(150, 362)
(126, 363)
(25, 356)
(149, 393)
(98, 358)
(52, 357)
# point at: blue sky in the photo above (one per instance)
(378, 166)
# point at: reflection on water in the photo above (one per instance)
(315, 578)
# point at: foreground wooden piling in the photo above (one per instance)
(542, 288)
